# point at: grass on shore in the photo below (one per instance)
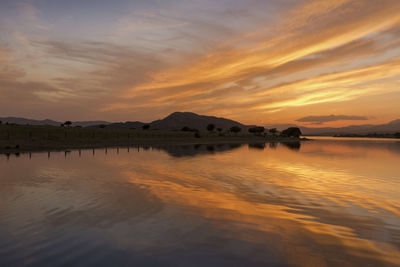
(32, 138)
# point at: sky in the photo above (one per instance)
(309, 62)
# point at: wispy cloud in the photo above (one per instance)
(329, 118)
(234, 62)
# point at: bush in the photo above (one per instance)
(273, 131)
(256, 130)
(235, 129)
(187, 129)
(291, 132)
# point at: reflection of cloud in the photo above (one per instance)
(322, 119)
(304, 207)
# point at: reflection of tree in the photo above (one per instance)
(234, 145)
(292, 145)
(194, 150)
(257, 146)
(273, 145)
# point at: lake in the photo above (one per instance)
(326, 202)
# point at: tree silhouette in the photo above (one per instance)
(210, 127)
(235, 129)
(292, 132)
(68, 123)
(256, 130)
(273, 131)
(146, 126)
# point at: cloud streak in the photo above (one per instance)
(205, 58)
(329, 118)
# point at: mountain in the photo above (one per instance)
(177, 120)
(391, 127)
(24, 121)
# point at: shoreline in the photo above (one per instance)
(19, 146)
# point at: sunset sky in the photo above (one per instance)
(313, 62)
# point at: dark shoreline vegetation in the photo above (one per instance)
(28, 138)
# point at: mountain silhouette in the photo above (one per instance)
(177, 120)
(24, 121)
(390, 128)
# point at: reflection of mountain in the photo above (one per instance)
(195, 150)
(279, 203)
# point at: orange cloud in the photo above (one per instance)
(247, 68)
(311, 30)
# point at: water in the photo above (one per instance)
(329, 202)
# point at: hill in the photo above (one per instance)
(390, 128)
(177, 120)
(24, 121)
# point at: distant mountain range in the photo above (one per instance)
(23, 121)
(175, 121)
(391, 127)
(178, 120)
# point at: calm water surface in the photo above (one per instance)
(327, 202)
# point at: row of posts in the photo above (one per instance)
(68, 151)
